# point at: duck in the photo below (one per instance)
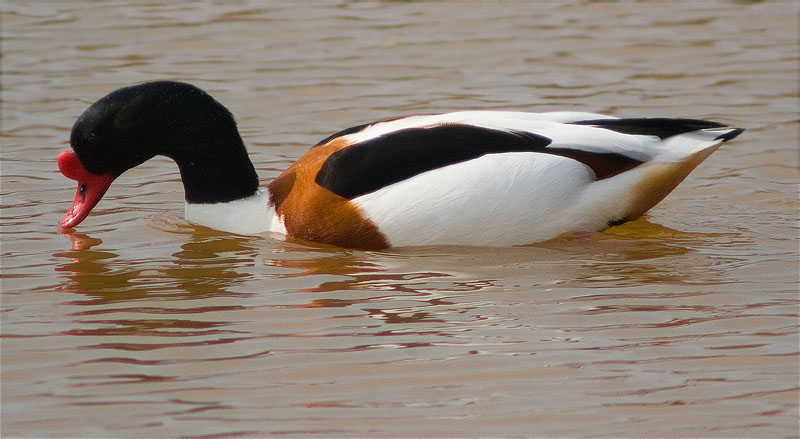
(468, 178)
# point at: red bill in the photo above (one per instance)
(91, 189)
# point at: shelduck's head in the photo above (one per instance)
(133, 124)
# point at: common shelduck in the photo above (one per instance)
(481, 178)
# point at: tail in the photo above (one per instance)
(687, 144)
(682, 153)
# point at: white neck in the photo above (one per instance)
(247, 216)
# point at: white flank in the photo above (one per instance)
(247, 216)
(497, 200)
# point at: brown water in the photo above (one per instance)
(683, 324)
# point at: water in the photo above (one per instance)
(682, 324)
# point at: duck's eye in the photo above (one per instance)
(82, 190)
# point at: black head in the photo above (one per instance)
(174, 119)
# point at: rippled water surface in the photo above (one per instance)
(681, 324)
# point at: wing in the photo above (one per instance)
(389, 152)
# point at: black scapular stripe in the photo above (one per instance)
(373, 164)
(661, 127)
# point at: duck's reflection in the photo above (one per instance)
(397, 287)
(88, 271)
(208, 264)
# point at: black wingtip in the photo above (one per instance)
(730, 134)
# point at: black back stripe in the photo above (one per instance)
(661, 127)
(375, 163)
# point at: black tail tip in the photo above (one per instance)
(730, 134)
